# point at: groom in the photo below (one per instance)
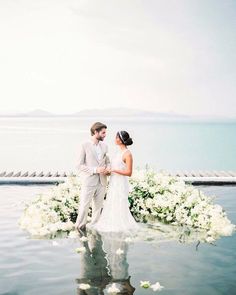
(93, 166)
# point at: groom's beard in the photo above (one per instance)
(100, 138)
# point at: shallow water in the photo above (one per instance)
(30, 266)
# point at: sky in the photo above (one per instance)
(64, 56)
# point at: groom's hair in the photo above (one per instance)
(98, 126)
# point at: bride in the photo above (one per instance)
(116, 216)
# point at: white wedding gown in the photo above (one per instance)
(116, 216)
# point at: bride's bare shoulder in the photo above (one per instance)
(127, 154)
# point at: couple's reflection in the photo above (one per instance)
(101, 266)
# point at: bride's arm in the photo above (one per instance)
(129, 164)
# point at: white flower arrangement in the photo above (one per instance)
(84, 286)
(158, 197)
(145, 284)
(73, 234)
(128, 240)
(83, 239)
(155, 287)
(119, 251)
(113, 289)
(80, 249)
(154, 197)
(54, 211)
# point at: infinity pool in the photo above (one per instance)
(30, 266)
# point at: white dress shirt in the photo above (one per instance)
(98, 151)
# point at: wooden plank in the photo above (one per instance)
(229, 174)
(25, 174)
(223, 173)
(17, 174)
(209, 173)
(9, 174)
(216, 173)
(180, 173)
(195, 173)
(232, 173)
(187, 173)
(201, 173)
(32, 174)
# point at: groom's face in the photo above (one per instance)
(101, 134)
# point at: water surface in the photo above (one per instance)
(52, 144)
(30, 266)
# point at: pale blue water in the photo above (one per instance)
(53, 143)
(35, 267)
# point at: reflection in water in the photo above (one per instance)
(101, 265)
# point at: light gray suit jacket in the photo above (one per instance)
(88, 160)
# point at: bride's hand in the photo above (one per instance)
(107, 171)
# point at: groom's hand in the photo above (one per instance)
(101, 170)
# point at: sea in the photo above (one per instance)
(32, 267)
(53, 143)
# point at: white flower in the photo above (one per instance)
(128, 240)
(113, 289)
(84, 286)
(119, 251)
(145, 284)
(157, 287)
(83, 239)
(73, 234)
(210, 239)
(80, 250)
(169, 218)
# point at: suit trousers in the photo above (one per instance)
(95, 194)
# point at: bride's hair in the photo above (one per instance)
(124, 137)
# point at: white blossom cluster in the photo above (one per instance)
(54, 211)
(170, 200)
(153, 197)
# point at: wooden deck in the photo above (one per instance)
(49, 177)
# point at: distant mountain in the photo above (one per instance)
(38, 113)
(125, 112)
(110, 112)
(119, 113)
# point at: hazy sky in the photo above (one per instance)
(163, 55)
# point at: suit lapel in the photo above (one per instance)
(102, 149)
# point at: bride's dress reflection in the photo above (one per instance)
(101, 266)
